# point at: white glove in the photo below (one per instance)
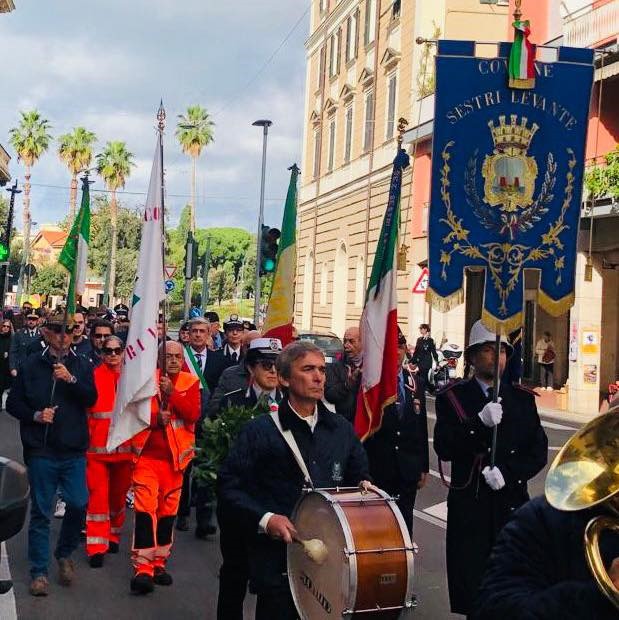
(494, 477)
(492, 414)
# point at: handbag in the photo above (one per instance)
(549, 356)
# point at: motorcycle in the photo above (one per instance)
(444, 371)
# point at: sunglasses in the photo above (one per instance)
(6, 327)
(100, 336)
(112, 351)
(266, 364)
(57, 329)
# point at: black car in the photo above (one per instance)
(327, 342)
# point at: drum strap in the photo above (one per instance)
(292, 444)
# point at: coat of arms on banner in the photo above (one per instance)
(506, 179)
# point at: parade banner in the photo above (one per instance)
(280, 311)
(379, 321)
(137, 384)
(507, 175)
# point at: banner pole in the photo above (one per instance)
(495, 395)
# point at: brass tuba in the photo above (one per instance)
(585, 473)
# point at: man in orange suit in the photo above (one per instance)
(164, 450)
(108, 474)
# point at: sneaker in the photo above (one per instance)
(129, 499)
(113, 547)
(550, 388)
(96, 560)
(39, 586)
(61, 508)
(182, 524)
(162, 577)
(66, 571)
(142, 584)
(204, 532)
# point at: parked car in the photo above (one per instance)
(327, 342)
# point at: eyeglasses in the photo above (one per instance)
(6, 327)
(266, 364)
(57, 329)
(100, 336)
(112, 351)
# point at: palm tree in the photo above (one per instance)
(114, 167)
(194, 131)
(30, 139)
(75, 150)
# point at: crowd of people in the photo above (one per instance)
(63, 379)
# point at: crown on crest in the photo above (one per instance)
(512, 138)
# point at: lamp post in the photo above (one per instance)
(7, 239)
(265, 124)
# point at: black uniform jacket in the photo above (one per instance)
(537, 569)
(233, 378)
(245, 397)
(476, 513)
(260, 475)
(398, 452)
(424, 353)
(216, 363)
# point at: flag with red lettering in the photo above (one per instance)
(137, 384)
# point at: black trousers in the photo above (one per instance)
(234, 571)
(193, 494)
(405, 494)
(276, 604)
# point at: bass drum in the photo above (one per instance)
(368, 569)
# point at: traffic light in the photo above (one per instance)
(191, 257)
(4, 251)
(268, 249)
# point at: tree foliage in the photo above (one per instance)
(31, 137)
(603, 181)
(75, 149)
(50, 280)
(194, 130)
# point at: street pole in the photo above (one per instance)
(7, 238)
(205, 268)
(265, 124)
(189, 259)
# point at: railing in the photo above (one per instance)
(589, 26)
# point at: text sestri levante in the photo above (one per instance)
(523, 97)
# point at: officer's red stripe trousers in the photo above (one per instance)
(108, 482)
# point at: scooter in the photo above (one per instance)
(444, 371)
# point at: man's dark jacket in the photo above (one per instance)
(340, 391)
(233, 378)
(22, 345)
(68, 434)
(260, 475)
(538, 571)
(216, 363)
(476, 514)
(398, 452)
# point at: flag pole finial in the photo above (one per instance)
(402, 124)
(161, 116)
(517, 11)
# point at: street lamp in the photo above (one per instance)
(265, 124)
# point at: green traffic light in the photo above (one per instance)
(4, 252)
(268, 265)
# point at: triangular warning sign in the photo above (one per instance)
(421, 286)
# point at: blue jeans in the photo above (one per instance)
(46, 475)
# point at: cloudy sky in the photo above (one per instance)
(105, 65)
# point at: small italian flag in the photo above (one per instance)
(280, 312)
(74, 254)
(379, 321)
(521, 57)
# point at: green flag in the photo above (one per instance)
(74, 255)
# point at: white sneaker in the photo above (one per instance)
(61, 508)
(550, 388)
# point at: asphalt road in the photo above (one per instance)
(104, 593)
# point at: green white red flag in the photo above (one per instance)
(74, 254)
(280, 311)
(379, 321)
(522, 57)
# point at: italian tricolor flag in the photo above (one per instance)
(379, 321)
(280, 311)
(74, 254)
(521, 57)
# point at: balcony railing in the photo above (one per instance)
(589, 26)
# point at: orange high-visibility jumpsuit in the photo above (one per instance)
(163, 454)
(108, 474)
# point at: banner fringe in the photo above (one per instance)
(555, 307)
(444, 304)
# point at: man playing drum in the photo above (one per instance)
(262, 478)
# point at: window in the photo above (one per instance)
(324, 276)
(322, 67)
(360, 282)
(368, 133)
(348, 135)
(331, 157)
(334, 53)
(370, 22)
(308, 286)
(396, 9)
(323, 5)
(392, 84)
(316, 153)
(352, 36)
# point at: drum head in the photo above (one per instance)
(319, 591)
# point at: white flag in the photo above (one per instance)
(137, 383)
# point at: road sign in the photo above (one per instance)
(169, 271)
(169, 286)
(421, 285)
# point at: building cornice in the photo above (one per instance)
(330, 20)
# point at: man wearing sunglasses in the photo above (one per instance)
(108, 473)
(263, 389)
(25, 341)
(54, 435)
(100, 329)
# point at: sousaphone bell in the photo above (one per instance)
(584, 474)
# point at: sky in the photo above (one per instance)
(106, 65)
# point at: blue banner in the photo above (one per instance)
(507, 168)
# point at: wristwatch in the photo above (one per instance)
(73, 379)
